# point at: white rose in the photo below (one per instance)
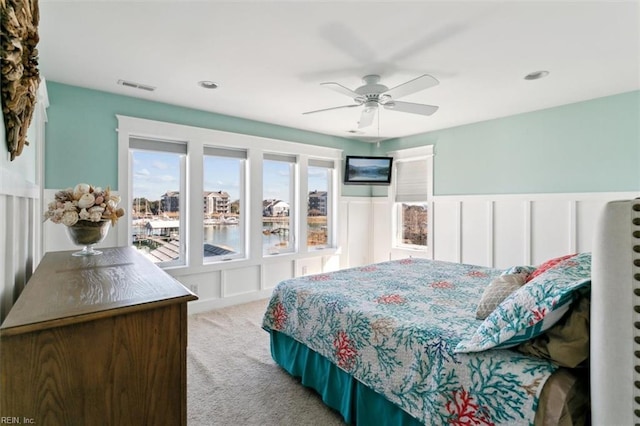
(96, 209)
(56, 215)
(69, 218)
(86, 200)
(80, 189)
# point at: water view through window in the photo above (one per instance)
(156, 204)
(277, 204)
(318, 207)
(156, 212)
(223, 174)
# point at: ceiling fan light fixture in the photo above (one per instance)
(384, 99)
(370, 105)
(207, 84)
(372, 95)
(536, 75)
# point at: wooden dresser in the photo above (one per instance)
(97, 340)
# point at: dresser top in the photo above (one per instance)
(66, 289)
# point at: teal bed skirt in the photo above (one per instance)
(358, 404)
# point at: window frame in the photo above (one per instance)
(165, 146)
(398, 248)
(399, 222)
(294, 190)
(255, 146)
(209, 151)
(331, 170)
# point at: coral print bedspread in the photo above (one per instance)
(394, 327)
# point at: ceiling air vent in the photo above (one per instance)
(136, 85)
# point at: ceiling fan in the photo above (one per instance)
(372, 95)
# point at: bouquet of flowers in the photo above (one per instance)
(84, 202)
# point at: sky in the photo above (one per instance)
(155, 173)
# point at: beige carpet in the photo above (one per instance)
(232, 379)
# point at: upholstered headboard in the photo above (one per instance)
(615, 316)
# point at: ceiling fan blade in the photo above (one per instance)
(421, 109)
(419, 83)
(348, 41)
(429, 40)
(341, 89)
(329, 109)
(366, 118)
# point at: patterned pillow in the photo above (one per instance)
(548, 265)
(533, 308)
(523, 270)
(497, 291)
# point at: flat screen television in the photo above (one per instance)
(361, 170)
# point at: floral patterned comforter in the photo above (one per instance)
(394, 327)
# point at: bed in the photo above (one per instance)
(416, 341)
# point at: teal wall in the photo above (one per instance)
(590, 146)
(82, 142)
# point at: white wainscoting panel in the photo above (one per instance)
(510, 239)
(476, 246)
(381, 218)
(359, 233)
(447, 233)
(551, 229)
(521, 229)
(206, 285)
(587, 215)
(274, 272)
(308, 266)
(240, 281)
(331, 263)
(18, 255)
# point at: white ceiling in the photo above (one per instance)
(269, 58)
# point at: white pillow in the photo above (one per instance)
(497, 291)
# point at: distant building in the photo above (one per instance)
(171, 201)
(216, 202)
(317, 203)
(275, 208)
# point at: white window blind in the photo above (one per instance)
(225, 152)
(280, 157)
(412, 180)
(158, 145)
(314, 162)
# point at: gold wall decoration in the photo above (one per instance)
(19, 72)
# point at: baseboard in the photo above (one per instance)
(198, 306)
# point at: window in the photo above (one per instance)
(158, 209)
(412, 196)
(278, 203)
(217, 196)
(412, 224)
(223, 203)
(319, 203)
